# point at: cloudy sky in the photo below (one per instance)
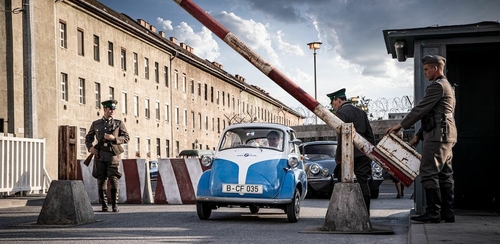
(353, 54)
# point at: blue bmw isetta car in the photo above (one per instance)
(255, 165)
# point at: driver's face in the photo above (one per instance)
(273, 141)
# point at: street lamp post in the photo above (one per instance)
(313, 46)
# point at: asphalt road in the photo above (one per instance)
(152, 223)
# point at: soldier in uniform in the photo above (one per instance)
(439, 133)
(349, 113)
(110, 133)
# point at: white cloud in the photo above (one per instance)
(165, 24)
(286, 47)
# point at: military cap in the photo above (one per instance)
(339, 93)
(433, 59)
(110, 104)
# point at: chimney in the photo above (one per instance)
(141, 22)
(153, 28)
(147, 25)
(221, 67)
(183, 45)
(162, 33)
(173, 39)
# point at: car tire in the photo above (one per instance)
(374, 193)
(293, 208)
(254, 208)
(203, 209)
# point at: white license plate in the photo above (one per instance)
(242, 188)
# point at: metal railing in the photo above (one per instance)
(22, 165)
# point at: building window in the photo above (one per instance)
(193, 120)
(206, 122)
(157, 110)
(184, 119)
(167, 112)
(146, 68)
(111, 61)
(176, 115)
(213, 124)
(157, 73)
(136, 105)
(223, 100)
(64, 87)
(177, 148)
(206, 92)
(124, 102)
(81, 90)
(228, 100)
(147, 112)
(217, 98)
(192, 86)
(111, 93)
(184, 83)
(124, 155)
(167, 148)
(123, 59)
(218, 125)
(199, 89)
(176, 79)
(165, 75)
(137, 147)
(63, 42)
(97, 57)
(199, 120)
(136, 65)
(211, 94)
(97, 91)
(158, 148)
(148, 147)
(83, 147)
(80, 41)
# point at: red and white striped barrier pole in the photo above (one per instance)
(289, 86)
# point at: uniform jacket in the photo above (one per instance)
(439, 99)
(97, 131)
(351, 114)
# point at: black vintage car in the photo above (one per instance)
(319, 162)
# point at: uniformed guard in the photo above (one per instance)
(349, 113)
(439, 135)
(110, 133)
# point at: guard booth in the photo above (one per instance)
(473, 67)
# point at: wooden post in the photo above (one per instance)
(347, 153)
(67, 153)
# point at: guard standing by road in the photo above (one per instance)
(110, 133)
(349, 113)
(439, 133)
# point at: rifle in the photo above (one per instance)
(89, 158)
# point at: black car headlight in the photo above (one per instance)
(314, 168)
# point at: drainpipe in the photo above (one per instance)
(29, 80)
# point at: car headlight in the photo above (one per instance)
(376, 170)
(293, 162)
(314, 168)
(206, 160)
(325, 172)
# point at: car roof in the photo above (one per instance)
(319, 143)
(260, 125)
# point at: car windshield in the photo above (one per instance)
(253, 137)
(319, 150)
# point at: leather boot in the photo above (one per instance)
(447, 213)
(433, 200)
(114, 196)
(367, 203)
(103, 198)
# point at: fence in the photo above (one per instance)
(22, 165)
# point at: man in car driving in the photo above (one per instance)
(273, 138)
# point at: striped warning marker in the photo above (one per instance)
(177, 180)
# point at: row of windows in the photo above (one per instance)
(137, 146)
(218, 96)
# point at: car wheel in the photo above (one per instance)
(293, 208)
(374, 194)
(204, 210)
(254, 208)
